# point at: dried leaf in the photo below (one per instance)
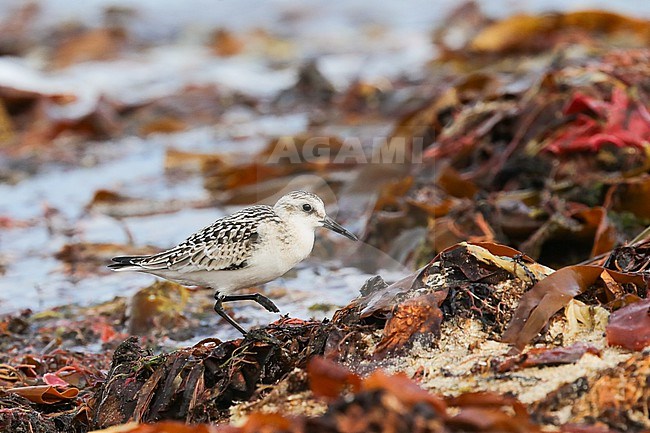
(163, 125)
(268, 423)
(120, 206)
(190, 161)
(328, 379)
(595, 219)
(95, 44)
(455, 185)
(482, 411)
(629, 327)
(87, 257)
(551, 294)
(226, 44)
(159, 305)
(160, 427)
(432, 200)
(417, 318)
(510, 33)
(404, 389)
(509, 259)
(543, 356)
(559, 355)
(54, 380)
(487, 400)
(526, 33)
(631, 196)
(45, 394)
(487, 420)
(579, 315)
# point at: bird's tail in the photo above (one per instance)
(126, 263)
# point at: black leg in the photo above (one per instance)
(218, 307)
(257, 297)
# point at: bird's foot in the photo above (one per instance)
(257, 297)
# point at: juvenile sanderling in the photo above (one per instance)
(252, 246)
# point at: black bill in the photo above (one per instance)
(329, 223)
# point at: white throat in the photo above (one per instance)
(301, 232)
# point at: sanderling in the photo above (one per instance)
(252, 246)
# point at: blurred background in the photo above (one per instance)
(127, 125)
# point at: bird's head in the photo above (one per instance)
(306, 208)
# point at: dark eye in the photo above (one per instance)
(307, 207)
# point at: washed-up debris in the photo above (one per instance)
(83, 45)
(462, 281)
(207, 381)
(629, 327)
(199, 384)
(547, 356)
(86, 258)
(554, 292)
(119, 206)
(160, 305)
(616, 398)
(393, 402)
(311, 85)
(45, 394)
(48, 393)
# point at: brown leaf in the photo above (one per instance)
(525, 32)
(16, 30)
(504, 257)
(89, 256)
(491, 420)
(454, 184)
(95, 44)
(486, 399)
(631, 196)
(604, 232)
(7, 132)
(558, 355)
(190, 161)
(404, 389)
(391, 194)
(163, 125)
(267, 423)
(548, 296)
(120, 206)
(328, 379)
(45, 394)
(155, 306)
(162, 427)
(433, 201)
(415, 318)
(629, 327)
(226, 44)
(222, 177)
(543, 356)
(482, 411)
